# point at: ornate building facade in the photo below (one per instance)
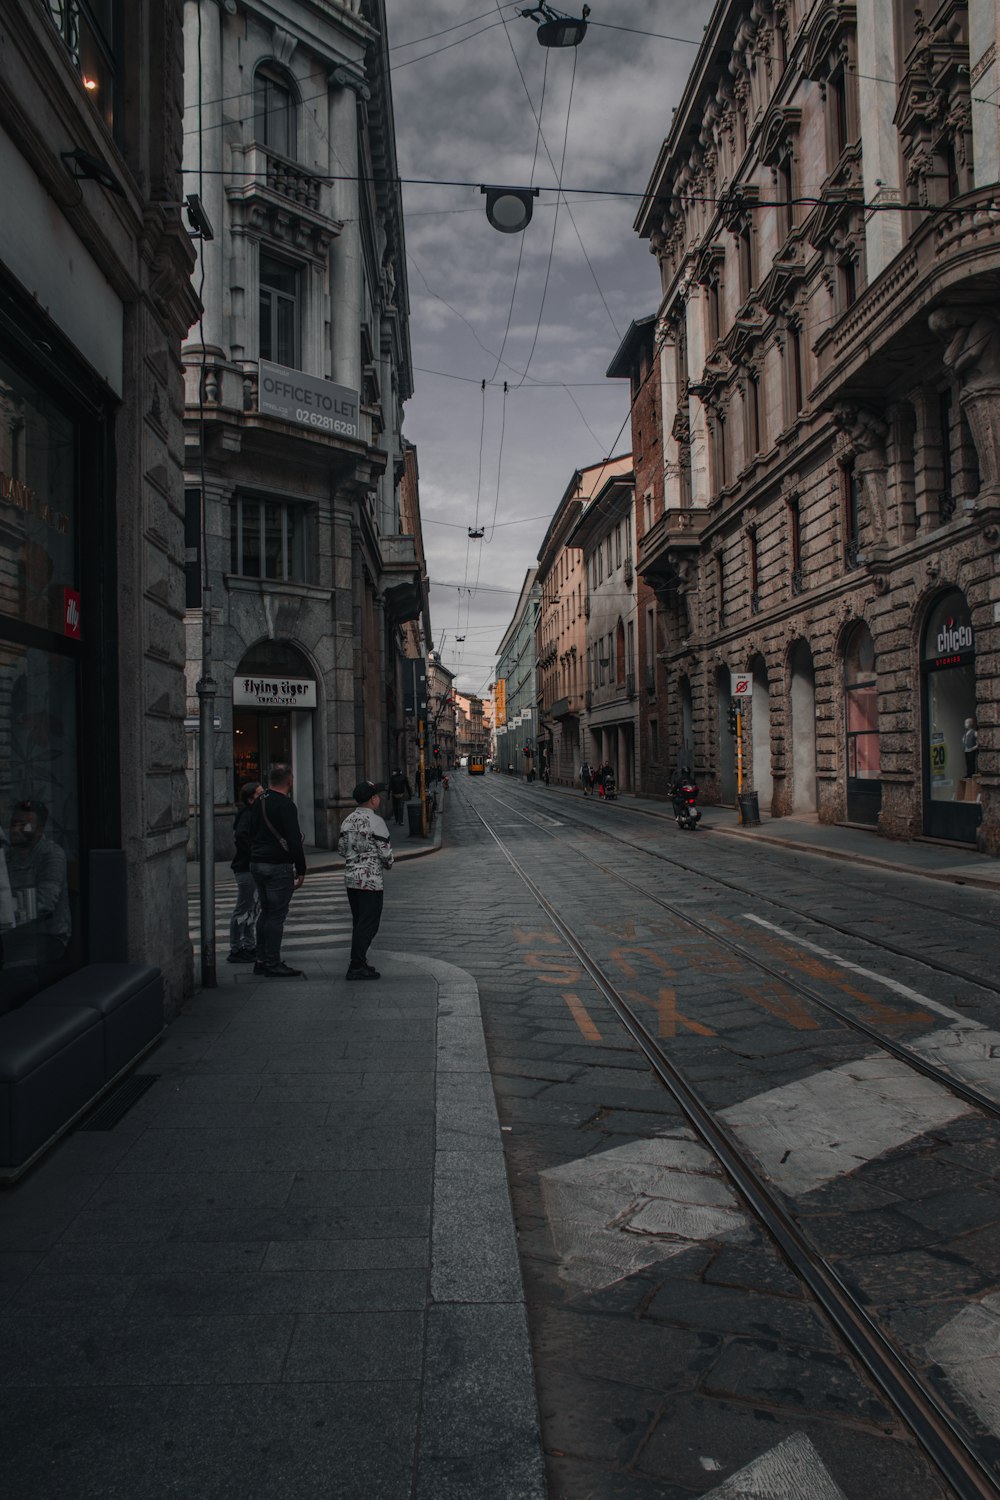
(823, 215)
(298, 489)
(95, 299)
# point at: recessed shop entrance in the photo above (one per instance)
(274, 704)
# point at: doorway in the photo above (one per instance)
(950, 771)
(803, 729)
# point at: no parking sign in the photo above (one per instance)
(741, 684)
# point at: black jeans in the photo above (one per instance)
(274, 887)
(366, 909)
(398, 803)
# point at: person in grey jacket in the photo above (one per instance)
(364, 844)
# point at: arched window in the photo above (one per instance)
(273, 111)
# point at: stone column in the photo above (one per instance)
(346, 262)
(973, 354)
(203, 157)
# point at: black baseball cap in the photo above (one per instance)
(365, 790)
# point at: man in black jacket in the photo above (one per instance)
(243, 922)
(278, 866)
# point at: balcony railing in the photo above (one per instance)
(797, 585)
(629, 574)
(851, 549)
(755, 602)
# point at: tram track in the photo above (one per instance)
(932, 1422)
(883, 944)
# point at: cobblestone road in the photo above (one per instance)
(674, 1350)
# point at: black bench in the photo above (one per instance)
(66, 1045)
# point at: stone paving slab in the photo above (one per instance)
(289, 1271)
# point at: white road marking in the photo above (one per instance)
(790, 1471)
(845, 963)
(821, 1127)
(968, 1351)
(616, 1212)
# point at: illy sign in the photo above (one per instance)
(307, 401)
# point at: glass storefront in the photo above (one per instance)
(40, 663)
(951, 785)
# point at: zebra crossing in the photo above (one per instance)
(319, 917)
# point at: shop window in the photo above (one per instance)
(952, 808)
(279, 312)
(90, 30)
(273, 111)
(269, 539)
(41, 635)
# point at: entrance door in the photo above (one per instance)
(259, 740)
(803, 748)
(864, 786)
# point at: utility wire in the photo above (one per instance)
(520, 252)
(496, 503)
(555, 225)
(430, 35)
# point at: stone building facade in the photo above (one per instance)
(823, 217)
(95, 299)
(296, 379)
(605, 534)
(637, 360)
(561, 624)
(517, 709)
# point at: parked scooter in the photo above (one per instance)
(684, 796)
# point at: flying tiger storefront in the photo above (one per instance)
(273, 722)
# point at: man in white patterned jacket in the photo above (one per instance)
(364, 843)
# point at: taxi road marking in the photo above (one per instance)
(578, 1011)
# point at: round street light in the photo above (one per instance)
(509, 208)
(555, 29)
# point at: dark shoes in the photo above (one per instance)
(362, 971)
(242, 956)
(277, 971)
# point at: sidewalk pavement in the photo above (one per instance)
(805, 833)
(288, 1271)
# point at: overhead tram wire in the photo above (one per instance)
(555, 226)
(431, 35)
(520, 250)
(548, 153)
(496, 503)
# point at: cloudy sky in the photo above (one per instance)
(463, 116)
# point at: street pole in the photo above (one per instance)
(421, 779)
(739, 761)
(206, 774)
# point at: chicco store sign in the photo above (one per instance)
(274, 692)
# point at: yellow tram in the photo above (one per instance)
(477, 763)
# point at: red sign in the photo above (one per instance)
(71, 614)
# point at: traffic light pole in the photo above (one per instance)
(739, 761)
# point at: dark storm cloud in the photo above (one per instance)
(463, 115)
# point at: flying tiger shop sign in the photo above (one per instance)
(274, 692)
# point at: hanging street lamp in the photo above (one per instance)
(509, 208)
(556, 29)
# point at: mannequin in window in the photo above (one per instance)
(970, 744)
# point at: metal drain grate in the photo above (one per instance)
(119, 1102)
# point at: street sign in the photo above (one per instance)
(741, 684)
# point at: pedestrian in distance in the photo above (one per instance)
(243, 922)
(278, 866)
(364, 844)
(586, 778)
(399, 791)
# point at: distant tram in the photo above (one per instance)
(477, 764)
